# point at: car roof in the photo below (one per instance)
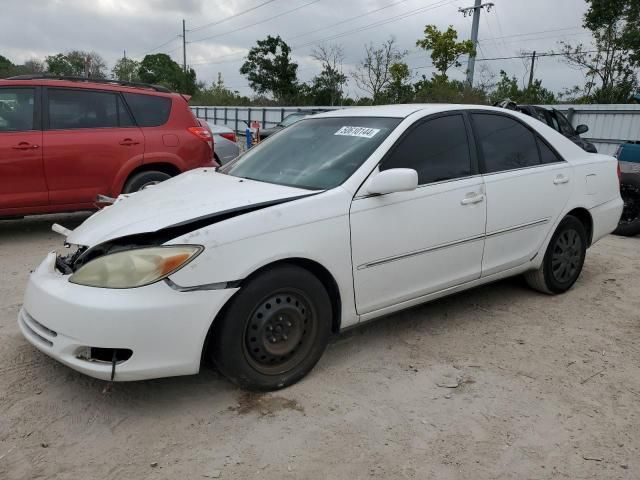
(403, 110)
(88, 84)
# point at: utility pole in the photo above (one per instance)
(474, 32)
(184, 47)
(533, 64)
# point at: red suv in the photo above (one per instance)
(65, 141)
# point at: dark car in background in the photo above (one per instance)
(555, 120)
(628, 155)
(288, 120)
(64, 141)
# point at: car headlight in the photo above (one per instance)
(135, 268)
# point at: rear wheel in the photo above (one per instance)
(142, 180)
(629, 224)
(563, 259)
(274, 330)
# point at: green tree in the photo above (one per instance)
(5, 67)
(270, 69)
(59, 64)
(399, 90)
(77, 63)
(8, 69)
(445, 49)
(611, 68)
(507, 88)
(126, 69)
(218, 94)
(160, 69)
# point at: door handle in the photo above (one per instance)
(560, 179)
(25, 146)
(470, 199)
(128, 141)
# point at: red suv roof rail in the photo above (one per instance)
(157, 88)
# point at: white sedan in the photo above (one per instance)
(341, 218)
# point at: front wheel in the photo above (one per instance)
(629, 224)
(563, 259)
(274, 330)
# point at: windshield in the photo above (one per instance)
(565, 127)
(289, 119)
(316, 153)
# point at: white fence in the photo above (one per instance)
(235, 117)
(609, 125)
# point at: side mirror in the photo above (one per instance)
(393, 180)
(580, 129)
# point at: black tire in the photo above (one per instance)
(274, 330)
(142, 180)
(563, 259)
(629, 224)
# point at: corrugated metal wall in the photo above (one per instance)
(609, 125)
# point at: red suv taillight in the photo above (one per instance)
(203, 134)
(229, 136)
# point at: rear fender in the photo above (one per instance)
(125, 171)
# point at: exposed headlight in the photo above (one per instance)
(135, 268)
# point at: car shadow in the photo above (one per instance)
(35, 225)
(209, 389)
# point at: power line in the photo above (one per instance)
(538, 55)
(440, 3)
(350, 19)
(235, 15)
(530, 33)
(161, 45)
(256, 23)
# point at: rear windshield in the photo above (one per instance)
(316, 153)
(149, 110)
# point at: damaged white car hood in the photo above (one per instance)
(186, 197)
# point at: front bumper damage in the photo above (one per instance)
(155, 331)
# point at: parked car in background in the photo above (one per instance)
(63, 141)
(555, 120)
(341, 218)
(225, 142)
(288, 120)
(628, 155)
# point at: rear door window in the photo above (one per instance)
(124, 117)
(74, 109)
(546, 154)
(17, 109)
(505, 143)
(149, 110)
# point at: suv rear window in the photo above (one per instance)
(149, 110)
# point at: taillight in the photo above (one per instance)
(203, 134)
(619, 173)
(229, 136)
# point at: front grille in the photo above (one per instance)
(38, 332)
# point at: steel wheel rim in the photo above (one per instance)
(280, 332)
(631, 198)
(567, 256)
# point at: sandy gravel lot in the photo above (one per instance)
(499, 382)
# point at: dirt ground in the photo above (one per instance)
(496, 383)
